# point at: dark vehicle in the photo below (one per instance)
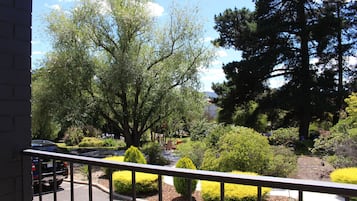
(47, 164)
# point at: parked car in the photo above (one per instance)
(47, 164)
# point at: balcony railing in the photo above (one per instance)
(344, 190)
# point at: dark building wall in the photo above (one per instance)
(15, 93)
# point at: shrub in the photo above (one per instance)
(91, 142)
(134, 155)
(153, 151)
(194, 150)
(110, 142)
(181, 184)
(113, 158)
(345, 175)
(283, 163)
(284, 136)
(73, 136)
(240, 149)
(145, 183)
(210, 190)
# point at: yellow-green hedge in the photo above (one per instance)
(145, 183)
(210, 190)
(91, 142)
(345, 175)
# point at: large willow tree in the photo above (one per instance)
(114, 61)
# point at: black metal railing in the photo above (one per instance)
(344, 190)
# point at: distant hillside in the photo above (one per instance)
(210, 94)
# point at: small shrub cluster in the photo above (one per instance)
(73, 136)
(91, 142)
(210, 190)
(283, 163)
(345, 175)
(153, 151)
(145, 183)
(181, 184)
(284, 136)
(134, 155)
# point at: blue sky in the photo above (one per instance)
(207, 9)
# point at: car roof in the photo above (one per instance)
(42, 143)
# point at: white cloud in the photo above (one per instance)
(155, 10)
(221, 53)
(54, 6)
(352, 60)
(276, 82)
(37, 53)
(34, 42)
(208, 39)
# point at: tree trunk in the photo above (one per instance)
(304, 108)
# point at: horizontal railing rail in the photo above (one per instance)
(345, 190)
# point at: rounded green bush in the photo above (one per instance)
(345, 175)
(145, 183)
(210, 190)
(240, 149)
(181, 184)
(134, 155)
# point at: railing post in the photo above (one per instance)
(71, 175)
(110, 184)
(159, 180)
(90, 190)
(300, 195)
(222, 191)
(260, 193)
(189, 189)
(133, 186)
(39, 178)
(54, 164)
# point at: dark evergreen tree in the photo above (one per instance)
(279, 39)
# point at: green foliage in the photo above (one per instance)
(339, 146)
(73, 136)
(194, 150)
(110, 142)
(232, 192)
(91, 131)
(284, 136)
(91, 142)
(145, 183)
(240, 149)
(283, 163)
(200, 129)
(153, 151)
(134, 155)
(215, 133)
(181, 184)
(127, 74)
(344, 175)
(43, 124)
(351, 101)
(246, 115)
